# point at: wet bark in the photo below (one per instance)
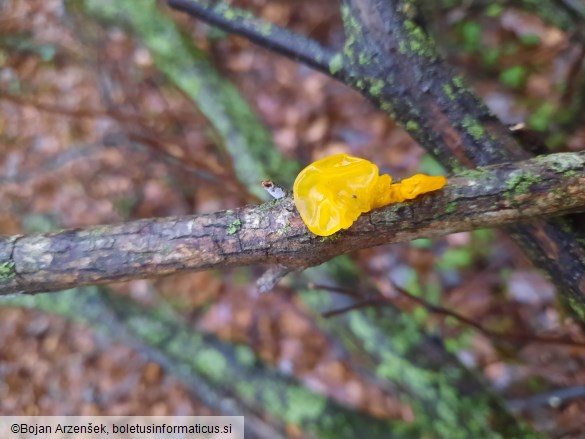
(273, 232)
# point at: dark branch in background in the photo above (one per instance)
(391, 60)
(494, 335)
(554, 398)
(273, 233)
(375, 63)
(261, 32)
(364, 303)
(573, 98)
(380, 300)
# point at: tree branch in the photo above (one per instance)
(273, 233)
(391, 60)
(261, 32)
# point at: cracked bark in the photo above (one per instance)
(273, 233)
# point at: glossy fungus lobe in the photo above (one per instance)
(330, 194)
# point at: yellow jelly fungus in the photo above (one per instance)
(332, 193)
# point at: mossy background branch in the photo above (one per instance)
(203, 362)
(262, 32)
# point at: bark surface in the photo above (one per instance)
(273, 232)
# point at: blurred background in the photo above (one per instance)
(108, 113)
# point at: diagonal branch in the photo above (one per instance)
(273, 233)
(261, 32)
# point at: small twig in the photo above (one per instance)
(83, 113)
(359, 305)
(435, 309)
(573, 98)
(52, 166)
(363, 301)
(261, 32)
(572, 76)
(336, 289)
(554, 398)
(271, 277)
(485, 331)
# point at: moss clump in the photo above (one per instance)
(411, 125)
(472, 174)
(336, 64)
(330, 238)
(565, 163)
(473, 127)
(212, 362)
(266, 29)
(234, 227)
(402, 48)
(388, 108)
(519, 183)
(417, 41)
(459, 81)
(233, 14)
(364, 59)
(376, 87)
(352, 32)
(449, 91)
(7, 270)
(577, 306)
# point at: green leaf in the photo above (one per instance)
(494, 10)
(514, 77)
(530, 40)
(540, 120)
(471, 36)
(455, 258)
